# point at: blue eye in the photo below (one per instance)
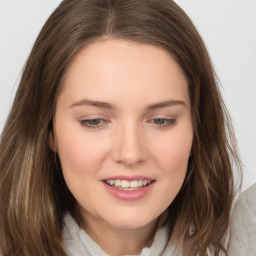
(159, 121)
(92, 123)
(164, 122)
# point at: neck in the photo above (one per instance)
(122, 242)
(117, 241)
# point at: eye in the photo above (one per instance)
(160, 121)
(94, 123)
(163, 122)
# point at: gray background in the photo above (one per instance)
(228, 28)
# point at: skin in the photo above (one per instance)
(124, 137)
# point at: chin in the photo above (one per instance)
(130, 221)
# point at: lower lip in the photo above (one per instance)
(129, 194)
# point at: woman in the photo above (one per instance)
(118, 141)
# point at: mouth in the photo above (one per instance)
(129, 185)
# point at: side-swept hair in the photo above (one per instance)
(33, 194)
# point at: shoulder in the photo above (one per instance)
(248, 195)
(243, 224)
(245, 208)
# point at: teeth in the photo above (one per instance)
(128, 185)
(145, 182)
(133, 184)
(140, 183)
(111, 182)
(117, 183)
(125, 184)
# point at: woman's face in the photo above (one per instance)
(123, 132)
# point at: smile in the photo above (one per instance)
(128, 185)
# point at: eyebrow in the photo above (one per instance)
(105, 105)
(165, 104)
(98, 104)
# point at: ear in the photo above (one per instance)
(52, 141)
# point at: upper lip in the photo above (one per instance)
(129, 178)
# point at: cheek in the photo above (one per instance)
(172, 159)
(78, 153)
(72, 153)
(174, 152)
(80, 162)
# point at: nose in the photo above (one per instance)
(130, 146)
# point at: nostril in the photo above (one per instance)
(130, 156)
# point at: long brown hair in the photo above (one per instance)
(33, 194)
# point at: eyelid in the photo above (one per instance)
(168, 122)
(164, 121)
(85, 123)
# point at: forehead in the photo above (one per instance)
(115, 69)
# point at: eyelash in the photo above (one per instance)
(164, 123)
(167, 122)
(86, 123)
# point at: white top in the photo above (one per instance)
(78, 243)
(243, 225)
